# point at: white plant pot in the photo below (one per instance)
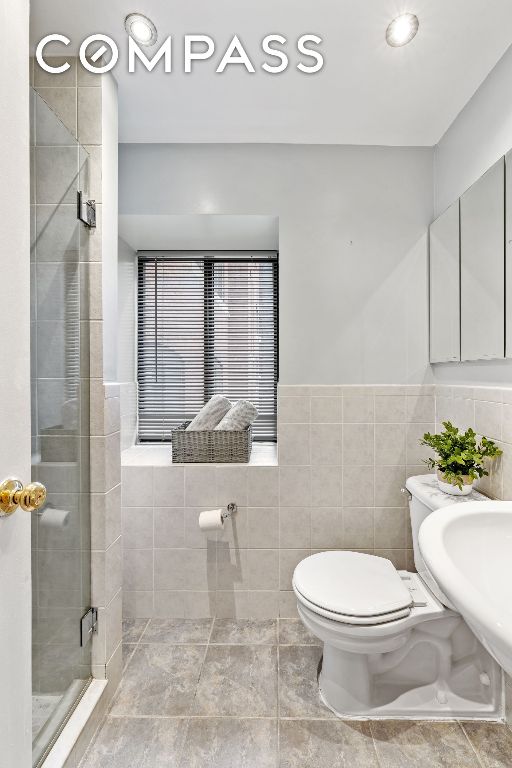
(454, 490)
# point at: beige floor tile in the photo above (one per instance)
(298, 685)
(160, 680)
(401, 744)
(326, 744)
(178, 631)
(244, 632)
(239, 681)
(230, 743)
(493, 743)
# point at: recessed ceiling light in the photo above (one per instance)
(141, 29)
(402, 30)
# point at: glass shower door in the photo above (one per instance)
(61, 551)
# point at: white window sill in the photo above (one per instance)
(262, 455)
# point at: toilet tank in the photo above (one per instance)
(426, 497)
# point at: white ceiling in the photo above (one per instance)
(367, 93)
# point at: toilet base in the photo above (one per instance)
(354, 685)
(426, 666)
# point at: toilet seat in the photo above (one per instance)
(352, 588)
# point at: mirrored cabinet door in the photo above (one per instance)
(508, 255)
(482, 223)
(444, 287)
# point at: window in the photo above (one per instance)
(207, 324)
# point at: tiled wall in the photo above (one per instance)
(489, 412)
(344, 454)
(127, 342)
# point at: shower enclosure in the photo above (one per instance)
(61, 548)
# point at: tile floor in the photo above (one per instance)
(243, 694)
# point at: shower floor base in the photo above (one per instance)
(43, 705)
(49, 711)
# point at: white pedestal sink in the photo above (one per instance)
(468, 550)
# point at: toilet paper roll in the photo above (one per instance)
(54, 518)
(211, 520)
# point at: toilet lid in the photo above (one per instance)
(351, 583)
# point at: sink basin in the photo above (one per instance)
(468, 551)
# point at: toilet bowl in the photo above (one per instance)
(392, 646)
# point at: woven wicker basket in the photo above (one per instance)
(216, 446)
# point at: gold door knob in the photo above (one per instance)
(14, 495)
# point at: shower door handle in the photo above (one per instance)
(14, 494)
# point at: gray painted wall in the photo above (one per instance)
(353, 243)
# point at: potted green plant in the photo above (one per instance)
(459, 460)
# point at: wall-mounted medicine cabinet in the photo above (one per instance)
(467, 273)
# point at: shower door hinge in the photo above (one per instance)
(86, 210)
(88, 626)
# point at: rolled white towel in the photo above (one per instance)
(241, 415)
(210, 414)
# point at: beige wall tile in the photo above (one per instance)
(137, 527)
(390, 408)
(231, 486)
(388, 484)
(293, 444)
(263, 604)
(421, 408)
(326, 486)
(294, 486)
(358, 529)
(390, 530)
(488, 419)
(169, 486)
(288, 560)
(137, 604)
(63, 79)
(138, 569)
(200, 486)
(262, 569)
(389, 444)
(294, 528)
(137, 487)
(199, 605)
(326, 410)
(358, 486)
(293, 410)
(263, 527)
(263, 486)
(63, 102)
(415, 452)
(358, 444)
(506, 427)
(327, 528)
(326, 443)
(287, 605)
(169, 527)
(169, 605)
(89, 115)
(358, 410)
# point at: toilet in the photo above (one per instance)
(393, 646)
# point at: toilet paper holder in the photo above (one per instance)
(230, 510)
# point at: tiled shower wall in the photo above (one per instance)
(344, 455)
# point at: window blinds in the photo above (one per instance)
(207, 324)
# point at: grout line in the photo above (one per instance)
(461, 726)
(136, 645)
(374, 745)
